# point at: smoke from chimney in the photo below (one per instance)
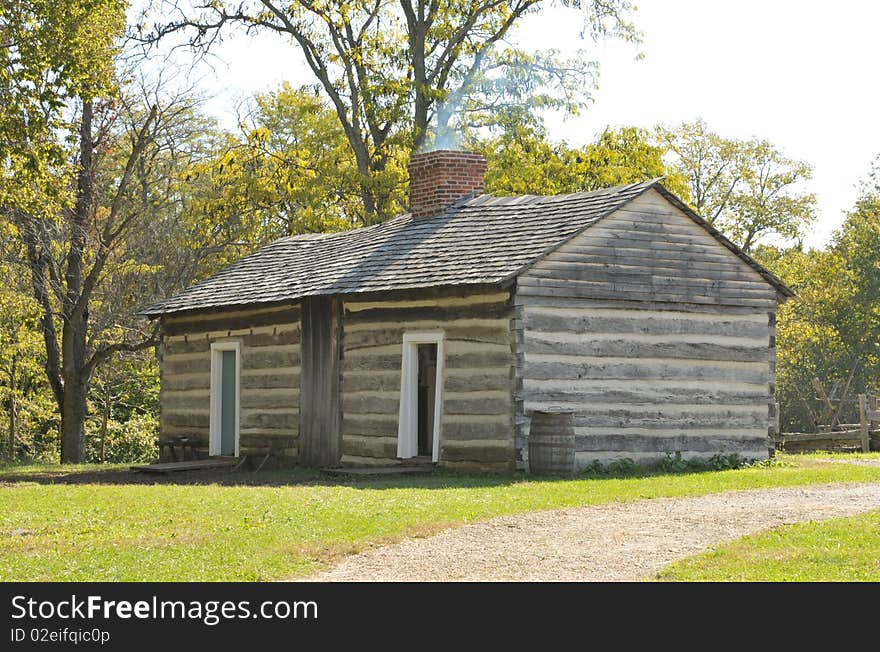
(439, 178)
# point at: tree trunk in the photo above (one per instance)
(73, 334)
(105, 416)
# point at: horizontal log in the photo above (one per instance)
(545, 319)
(611, 368)
(582, 289)
(185, 400)
(496, 333)
(373, 382)
(659, 395)
(270, 358)
(270, 420)
(502, 428)
(622, 303)
(270, 380)
(649, 276)
(479, 360)
(385, 447)
(484, 453)
(256, 398)
(671, 422)
(419, 300)
(287, 338)
(494, 406)
(372, 363)
(361, 404)
(648, 444)
(183, 382)
(431, 314)
(217, 321)
(358, 424)
(180, 347)
(175, 365)
(630, 349)
(199, 420)
(478, 381)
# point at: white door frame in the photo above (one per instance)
(408, 427)
(217, 349)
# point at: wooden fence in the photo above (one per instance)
(847, 437)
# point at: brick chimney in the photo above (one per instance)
(440, 178)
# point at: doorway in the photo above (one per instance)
(421, 395)
(225, 400)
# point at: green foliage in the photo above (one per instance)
(747, 188)
(130, 441)
(289, 172)
(399, 74)
(674, 463)
(523, 161)
(831, 330)
(52, 53)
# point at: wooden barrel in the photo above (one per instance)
(551, 443)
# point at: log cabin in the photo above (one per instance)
(434, 336)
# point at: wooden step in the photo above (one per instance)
(191, 465)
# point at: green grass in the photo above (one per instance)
(838, 550)
(96, 525)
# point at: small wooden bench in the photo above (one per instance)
(172, 444)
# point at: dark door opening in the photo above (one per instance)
(426, 394)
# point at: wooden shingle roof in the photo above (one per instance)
(477, 241)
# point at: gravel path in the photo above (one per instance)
(612, 542)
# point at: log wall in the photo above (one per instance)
(658, 338)
(270, 377)
(476, 425)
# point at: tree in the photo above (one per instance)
(747, 188)
(831, 329)
(392, 70)
(74, 208)
(20, 356)
(523, 161)
(289, 171)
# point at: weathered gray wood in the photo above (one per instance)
(262, 419)
(630, 349)
(497, 333)
(435, 314)
(551, 443)
(490, 430)
(270, 380)
(268, 357)
(646, 444)
(356, 424)
(320, 411)
(219, 322)
(636, 370)
(618, 303)
(638, 394)
(480, 454)
(660, 421)
(625, 321)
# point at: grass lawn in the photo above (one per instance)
(94, 523)
(838, 550)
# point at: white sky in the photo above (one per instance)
(802, 74)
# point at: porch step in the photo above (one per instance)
(191, 465)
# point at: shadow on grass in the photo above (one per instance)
(438, 479)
